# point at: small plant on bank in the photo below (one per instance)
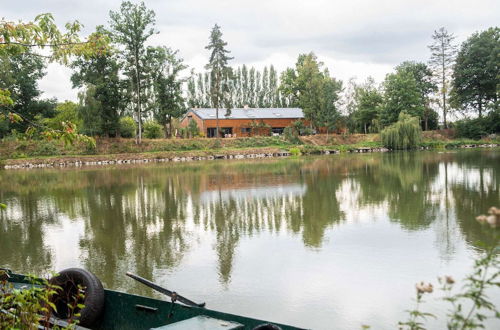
(406, 133)
(294, 151)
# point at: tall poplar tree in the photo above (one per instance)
(252, 88)
(131, 27)
(273, 87)
(442, 57)
(265, 88)
(219, 71)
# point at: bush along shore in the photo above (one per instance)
(41, 154)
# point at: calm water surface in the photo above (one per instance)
(332, 242)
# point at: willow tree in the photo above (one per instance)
(131, 27)
(406, 133)
(219, 71)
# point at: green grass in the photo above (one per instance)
(41, 149)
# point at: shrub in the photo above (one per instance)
(45, 148)
(295, 151)
(217, 144)
(479, 127)
(152, 130)
(311, 150)
(193, 129)
(127, 127)
(406, 133)
(291, 135)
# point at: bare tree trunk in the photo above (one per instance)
(426, 118)
(138, 137)
(443, 91)
(170, 130)
(217, 122)
(217, 129)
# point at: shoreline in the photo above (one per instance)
(81, 161)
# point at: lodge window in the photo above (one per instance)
(277, 130)
(246, 130)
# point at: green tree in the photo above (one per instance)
(103, 73)
(368, 101)
(90, 111)
(288, 89)
(442, 57)
(65, 112)
(312, 89)
(152, 130)
(165, 67)
(265, 92)
(349, 103)
(193, 129)
(219, 72)
(253, 88)
(131, 27)
(191, 92)
(20, 75)
(309, 84)
(401, 93)
(329, 113)
(273, 87)
(425, 85)
(17, 38)
(128, 127)
(406, 133)
(476, 78)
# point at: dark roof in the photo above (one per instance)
(250, 113)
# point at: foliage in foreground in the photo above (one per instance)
(471, 306)
(404, 134)
(32, 307)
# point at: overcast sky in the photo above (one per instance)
(354, 38)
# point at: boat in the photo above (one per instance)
(109, 309)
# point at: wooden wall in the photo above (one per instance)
(235, 124)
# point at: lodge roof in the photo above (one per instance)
(250, 113)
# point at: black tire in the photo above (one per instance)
(69, 280)
(267, 326)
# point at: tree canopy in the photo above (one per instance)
(476, 78)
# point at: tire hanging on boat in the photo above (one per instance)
(70, 280)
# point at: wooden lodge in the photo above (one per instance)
(242, 121)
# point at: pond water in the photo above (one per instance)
(331, 242)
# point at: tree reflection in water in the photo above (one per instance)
(145, 219)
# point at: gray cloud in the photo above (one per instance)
(361, 35)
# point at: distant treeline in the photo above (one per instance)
(133, 87)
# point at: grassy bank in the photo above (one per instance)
(18, 151)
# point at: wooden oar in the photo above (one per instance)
(172, 294)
